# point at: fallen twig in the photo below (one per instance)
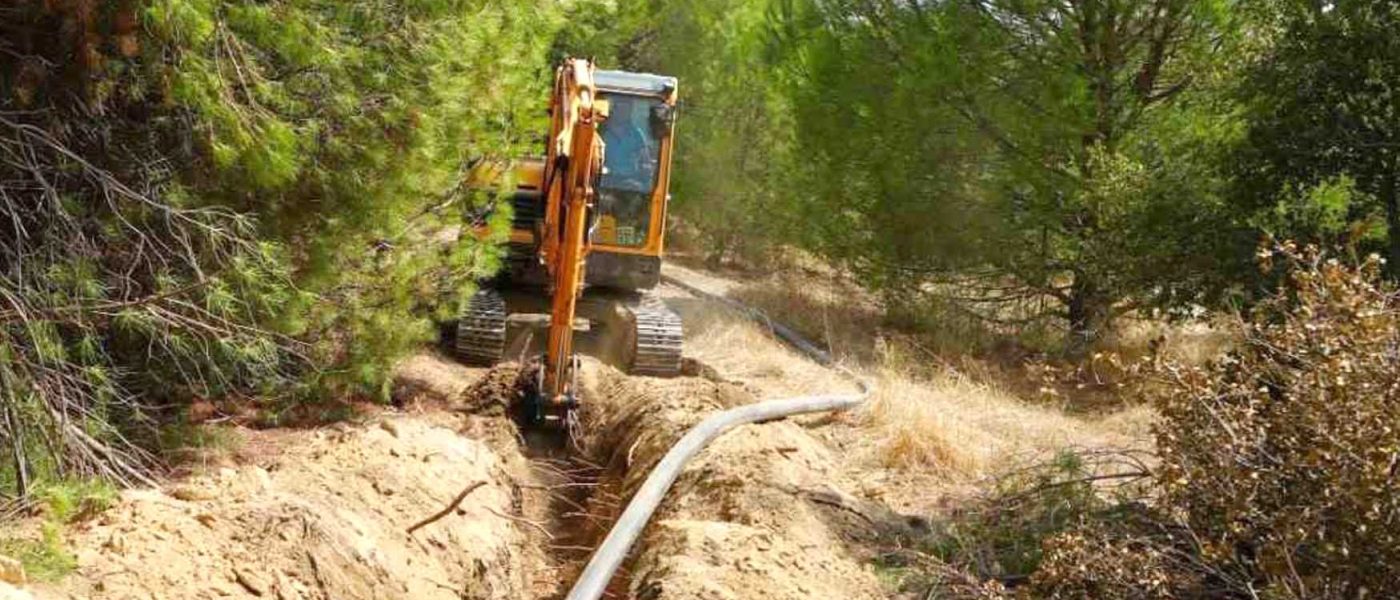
(446, 511)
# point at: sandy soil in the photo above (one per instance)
(740, 521)
(787, 510)
(324, 514)
(325, 519)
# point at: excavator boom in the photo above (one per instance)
(575, 163)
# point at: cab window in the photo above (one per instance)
(631, 162)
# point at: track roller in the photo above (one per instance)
(481, 332)
(659, 338)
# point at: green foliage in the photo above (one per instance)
(342, 125)
(44, 559)
(237, 198)
(940, 157)
(64, 502)
(1322, 105)
(1333, 212)
(1030, 160)
(69, 501)
(1029, 165)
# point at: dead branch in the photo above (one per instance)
(446, 511)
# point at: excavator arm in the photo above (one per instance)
(573, 166)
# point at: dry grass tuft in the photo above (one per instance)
(1191, 343)
(957, 426)
(921, 418)
(910, 431)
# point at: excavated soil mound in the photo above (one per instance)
(325, 514)
(741, 522)
(326, 518)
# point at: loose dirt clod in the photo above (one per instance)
(494, 393)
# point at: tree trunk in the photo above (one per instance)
(1389, 199)
(714, 255)
(1089, 315)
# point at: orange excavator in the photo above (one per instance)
(585, 247)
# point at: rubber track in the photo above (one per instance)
(481, 332)
(660, 338)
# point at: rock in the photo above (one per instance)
(116, 543)
(262, 479)
(390, 426)
(11, 570)
(254, 583)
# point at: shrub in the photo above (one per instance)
(1002, 537)
(1278, 462)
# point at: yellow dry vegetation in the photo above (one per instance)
(962, 427)
(921, 417)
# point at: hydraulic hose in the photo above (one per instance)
(609, 555)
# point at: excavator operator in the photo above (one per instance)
(630, 157)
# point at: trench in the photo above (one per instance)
(572, 500)
(570, 490)
(577, 488)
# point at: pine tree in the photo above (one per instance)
(205, 198)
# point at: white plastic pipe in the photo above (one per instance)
(609, 555)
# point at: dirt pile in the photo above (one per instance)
(325, 518)
(741, 519)
(765, 512)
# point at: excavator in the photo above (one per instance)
(585, 246)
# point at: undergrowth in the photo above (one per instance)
(999, 537)
(45, 556)
(204, 198)
(45, 559)
(1272, 474)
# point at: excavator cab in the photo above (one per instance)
(611, 140)
(633, 136)
(633, 190)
